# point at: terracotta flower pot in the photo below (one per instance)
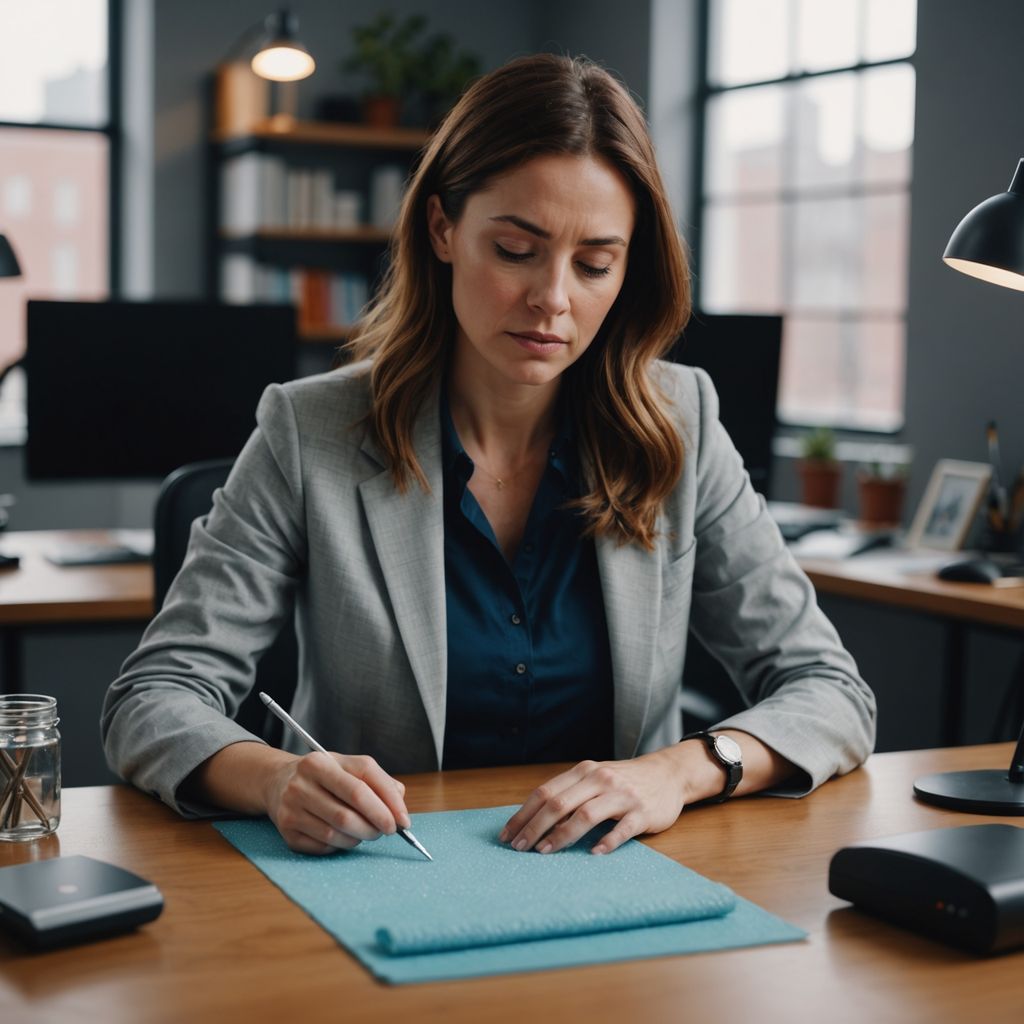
(820, 480)
(881, 499)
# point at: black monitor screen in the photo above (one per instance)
(741, 356)
(137, 389)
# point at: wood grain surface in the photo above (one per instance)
(230, 947)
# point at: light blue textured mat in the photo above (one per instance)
(482, 908)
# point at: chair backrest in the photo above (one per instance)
(184, 496)
(187, 494)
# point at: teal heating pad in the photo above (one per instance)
(482, 908)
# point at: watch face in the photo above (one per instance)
(728, 749)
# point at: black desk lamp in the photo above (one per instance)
(8, 268)
(988, 243)
(279, 55)
(8, 261)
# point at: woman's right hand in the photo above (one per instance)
(326, 802)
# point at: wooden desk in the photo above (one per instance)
(39, 593)
(879, 578)
(230, 946)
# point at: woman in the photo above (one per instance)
(497, 527)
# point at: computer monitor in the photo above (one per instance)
(133, 390)
(741, 355)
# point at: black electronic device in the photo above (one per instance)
(972, 570)
(741, 356)
(120, 390)
(63, 900)
(963, 886)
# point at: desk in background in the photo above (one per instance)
(40, 594)
(230, 946)
(884, 578)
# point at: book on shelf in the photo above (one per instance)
(323, 298)
(260, 191)
(253, 193)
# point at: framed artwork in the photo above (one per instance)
(949, 505)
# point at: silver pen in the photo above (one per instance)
(276, 709)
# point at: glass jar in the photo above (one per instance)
(29, 766)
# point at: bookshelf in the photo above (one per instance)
(300, 211)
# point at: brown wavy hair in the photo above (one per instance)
(542, 104)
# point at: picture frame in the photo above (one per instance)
(949, 505)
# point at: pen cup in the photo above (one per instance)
(29, 766)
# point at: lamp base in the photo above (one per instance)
(985, 791)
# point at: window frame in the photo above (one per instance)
(12, 424)
(113, 130)
(704, 93)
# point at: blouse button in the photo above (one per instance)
(520, 669)
(516, 619)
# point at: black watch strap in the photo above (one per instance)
(726, 752)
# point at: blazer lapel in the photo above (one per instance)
(408, 534)
(631, 585)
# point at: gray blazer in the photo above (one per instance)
(309, 519)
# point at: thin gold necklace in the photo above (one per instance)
(501, 482)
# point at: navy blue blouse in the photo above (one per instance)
(529, 665)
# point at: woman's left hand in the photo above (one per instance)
(644, 794)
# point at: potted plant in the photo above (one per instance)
(820, 471)
(443, 74)
(387, 56)
(881, 487)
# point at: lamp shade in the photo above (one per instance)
(281, 57)
(989, 242)
(8, 261)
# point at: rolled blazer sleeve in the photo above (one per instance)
(171, 707)
(757, 613)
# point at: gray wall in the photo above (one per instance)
(616, 35)
(965, 340)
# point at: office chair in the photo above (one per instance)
(184, 496)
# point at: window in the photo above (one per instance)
(56, 138)
(804, 197)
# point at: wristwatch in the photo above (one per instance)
(726, 751)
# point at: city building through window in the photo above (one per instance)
(805, 194)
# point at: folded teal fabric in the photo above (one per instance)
(577, 895)
(482, 908)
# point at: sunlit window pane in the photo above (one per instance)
(825, 122)
(749, 40)
(826, 253)
(54, 212)
(885, 223)
(891, 30)
(878, 384)
(741, 259)
(843, 371)
(54, 64)
(810, 373)
(887, 124)
(826, 34)
(745, 133)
